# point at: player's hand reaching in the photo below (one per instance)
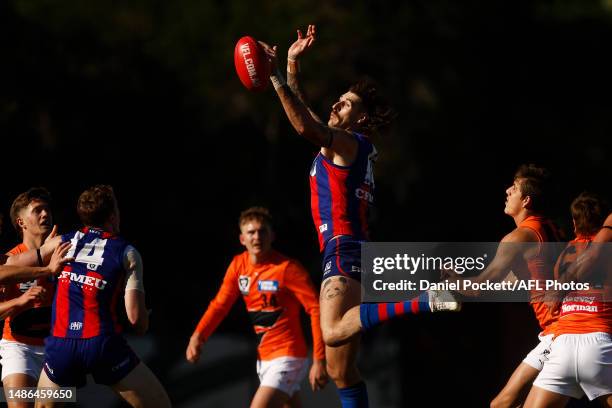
(194, 349)
(318, 375)
(302, 43)
(51, 235)
(32, 295)
(57, 262)
(271, 53)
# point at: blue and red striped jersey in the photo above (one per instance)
(340, 196)
(88, 288)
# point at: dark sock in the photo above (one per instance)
(355, 396)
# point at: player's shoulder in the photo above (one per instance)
(18, 249)
(521, 234)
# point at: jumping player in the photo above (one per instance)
(27, 320)
(342, 189)
(85, 334)
(273, 286)
(580, 358)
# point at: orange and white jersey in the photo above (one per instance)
(541, 266)
(582, 311)
(29, 326)
(273, 292)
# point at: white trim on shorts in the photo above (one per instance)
(20, 358)
(538, 356)
(283, 373)
(578, 364)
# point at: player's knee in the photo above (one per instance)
(331, 336)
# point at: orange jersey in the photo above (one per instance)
(29, 326)
(272, 291)
(541, 266)
(582, 311)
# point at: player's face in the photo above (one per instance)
(256, 237)
(514, 198)
(36, 219)
(347, 112)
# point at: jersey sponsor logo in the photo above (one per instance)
(90, 281)
(322, 228)
(267, 286)
(244, 282)
(355, 269)
(76, 325)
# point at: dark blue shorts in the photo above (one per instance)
(342, 256)
(108, 358)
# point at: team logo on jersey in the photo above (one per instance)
(76, 325)
(244, 282)
(267, 286)
(322, 228)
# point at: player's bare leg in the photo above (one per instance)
(541, 398)
(342, 363)
(294, 402)
(141, 388)
(269, 397)
(516, 389)
(18, 381)
(339, 301)
(45, 382)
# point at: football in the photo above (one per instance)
(252, 65)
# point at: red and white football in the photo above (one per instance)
(252, 65)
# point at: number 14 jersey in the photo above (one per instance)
(88, 288)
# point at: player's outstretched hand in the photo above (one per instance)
(271, 53)
(194, 349)
(51, 235)
(318, 375)
(302, 43)
(57, 262)
(34, 294)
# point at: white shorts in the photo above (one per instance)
(282, 373)
(19, 358)
(539, 354)
(578, 364)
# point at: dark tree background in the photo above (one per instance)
(143, 95)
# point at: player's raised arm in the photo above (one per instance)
(135, 306)
(299, 47)
(337, 141)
